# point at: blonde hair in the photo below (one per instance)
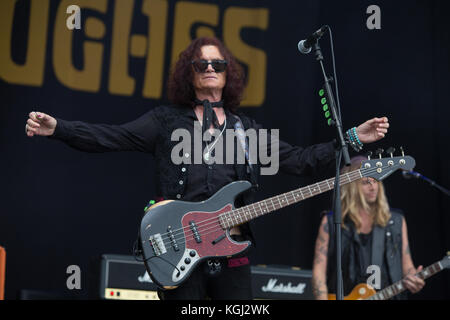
(353, 200)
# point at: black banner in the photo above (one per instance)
(109, 61)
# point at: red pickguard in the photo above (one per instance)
(209, 231)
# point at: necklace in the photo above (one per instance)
(206, 156)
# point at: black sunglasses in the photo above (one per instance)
(202, 65)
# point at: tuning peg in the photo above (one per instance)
(391, 151)
(369, 154)
(379, 152)
(402, 151)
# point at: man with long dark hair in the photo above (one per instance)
(206, 86)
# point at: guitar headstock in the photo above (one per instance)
(445, 263)
(380, 168)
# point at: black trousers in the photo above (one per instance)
(232, 283)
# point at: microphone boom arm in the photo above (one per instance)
(433, 183)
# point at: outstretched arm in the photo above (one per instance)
(313, 159)
(138, 135)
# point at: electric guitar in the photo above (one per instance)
(177, 235)
(365, 292)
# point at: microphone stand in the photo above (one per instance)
(341, 151)
(434, 184)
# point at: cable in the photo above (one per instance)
(135, 250)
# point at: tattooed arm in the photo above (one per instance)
(319, 273)
(412, 282)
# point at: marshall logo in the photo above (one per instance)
(145, 278)
(272, 286)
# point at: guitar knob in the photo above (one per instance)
(192, 253)
(187, 260)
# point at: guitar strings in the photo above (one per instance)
(202, 224)
(353, 175)
(217, 226)
(214, 220)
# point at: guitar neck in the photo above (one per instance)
(257, 209)
(399, 287)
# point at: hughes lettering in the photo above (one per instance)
(190, 19)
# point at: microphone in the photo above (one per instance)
(411, 174)
(304, 46)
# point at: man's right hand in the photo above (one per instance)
(40, 124)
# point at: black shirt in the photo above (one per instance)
(151, 133)
(206, 179)
(365, 252)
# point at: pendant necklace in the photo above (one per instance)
(206, 156)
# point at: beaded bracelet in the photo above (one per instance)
(356, 136)
(353, 140)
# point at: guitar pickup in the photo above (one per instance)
(173, 241)
(194, 229)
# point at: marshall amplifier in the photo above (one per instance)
(124, 278)
(281, 282)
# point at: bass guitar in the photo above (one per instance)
(177, 235)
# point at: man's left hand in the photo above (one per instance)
(412, 282)
(372, 130)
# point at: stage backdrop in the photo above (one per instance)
(62, 207)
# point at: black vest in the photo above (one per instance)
(386, 249)
(172, 178)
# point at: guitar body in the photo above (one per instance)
(177, 235)
(360, 292)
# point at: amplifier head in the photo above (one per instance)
(124, 278)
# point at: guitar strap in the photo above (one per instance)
(239, 129)
(378, 245)
(213, 267)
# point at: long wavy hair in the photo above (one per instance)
(353, 199)
(180, 87)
